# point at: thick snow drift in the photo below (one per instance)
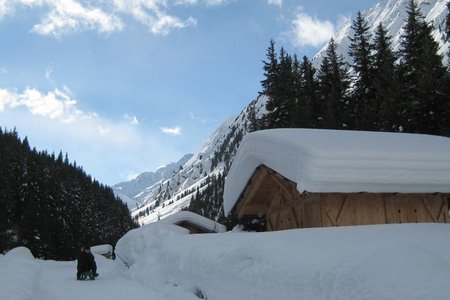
(401, 261)
(343, 161)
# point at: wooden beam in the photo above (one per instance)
(250, 190)
(429, 210)
(281, 181)
(252, 208)
(341, 209)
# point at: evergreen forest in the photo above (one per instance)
(51, 206)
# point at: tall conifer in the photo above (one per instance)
(363, 108)
(333, 87)
(423, 77)
(385, 82)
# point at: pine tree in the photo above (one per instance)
(270, 69)
(385, 82)
(268, 84)
(362, 106)
(447, 27)
(423, 77)
(308, 106)
(333, 86)
(284, 113)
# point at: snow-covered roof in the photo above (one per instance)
(343, 161)
(193, 218)
(102, 249)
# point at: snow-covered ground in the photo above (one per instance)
(404, 261)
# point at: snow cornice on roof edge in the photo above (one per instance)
(198, 220)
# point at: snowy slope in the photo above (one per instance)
(136, 190)
(214, 157)
(392, 13)
(402, 261)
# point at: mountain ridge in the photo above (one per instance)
(134, 191)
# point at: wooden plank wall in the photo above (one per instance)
(338, 209)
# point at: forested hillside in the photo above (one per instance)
(52, 206)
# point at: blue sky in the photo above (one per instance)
(125, 86)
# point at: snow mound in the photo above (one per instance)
(344, 161)
(18, 273)
(401, 261)
(135, 243)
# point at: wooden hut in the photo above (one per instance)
(339, 178)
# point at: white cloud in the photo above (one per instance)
(165, 23)
(152, 14)
(186, 2)
(309, 31)
(171, 131)
(132, 119)
(58, 110)
(275, 2)
(7, 99)
(216, 2)
(63, 17)
(206, 2)
(66, 16)
(56, 105)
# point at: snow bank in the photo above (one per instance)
(135, 243)
(343, 161)
(18, 272)
(402, 261)
(397, 261)
(187, 216)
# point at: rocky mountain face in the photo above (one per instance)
(198, 183)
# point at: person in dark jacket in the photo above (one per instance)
(86, 266)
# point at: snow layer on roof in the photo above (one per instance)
(102, 249)
(343, 161)
(187, 216)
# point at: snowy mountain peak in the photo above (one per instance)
(393, 14)
(135, 190)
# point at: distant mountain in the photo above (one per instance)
(137, 190)
(199, 183)
(192, 180)
(393, 14)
